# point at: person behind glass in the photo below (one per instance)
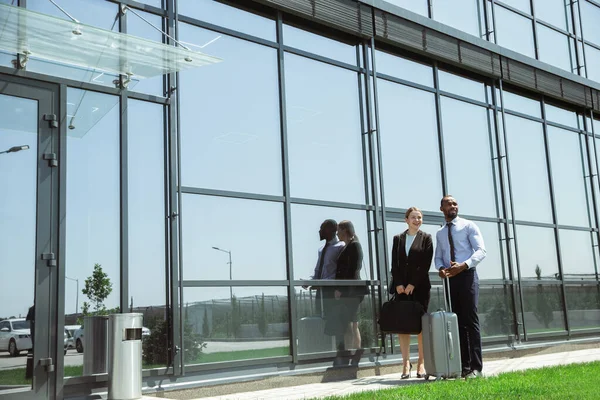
(349, 264)
(326, 265)
(412, 252)
(460, 249)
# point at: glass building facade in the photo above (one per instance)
(199, 194)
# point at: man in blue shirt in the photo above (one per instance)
(459, 250)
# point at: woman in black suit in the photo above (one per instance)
(349, 263)
(412, 252)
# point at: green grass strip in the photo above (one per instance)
(574, 381)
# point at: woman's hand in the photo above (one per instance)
(409, 289)
(400, 289)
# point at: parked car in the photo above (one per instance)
(66, 340)
(15, 336)
(71, 331)
(78, 337)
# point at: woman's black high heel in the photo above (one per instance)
(406, 376)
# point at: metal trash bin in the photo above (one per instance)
(125, 356)
(95, 345)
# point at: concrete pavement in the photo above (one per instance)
(376, 382)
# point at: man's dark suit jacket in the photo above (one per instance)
(414, 268)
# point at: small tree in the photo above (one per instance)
(97, 288)
(542, 308)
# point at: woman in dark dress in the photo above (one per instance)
(412, 252)
(348, 267)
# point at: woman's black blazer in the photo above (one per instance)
(414, 268)
(349, 263)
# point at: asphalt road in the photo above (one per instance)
(8, 362)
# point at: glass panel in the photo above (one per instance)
(220, 232)
(568, 177)
(86, 46)
(592, 57)
(418, 6)
(402, 68)
(536, 264)
(318, 44)
(404, 111)
(561, 116)
(226, 16)
(324, 135)
(543, 308)
(495, 310)
(138, 27)
(521, 104)
(306, 221)
(463, 170)
(240, 323)
(155, 3)
(230, 126)
(101, 14)
(94, 204)
(583, 304)
(577, 254)
(552, 11)
(460, 14)
(18, 127)
(147, 221)
(462, 86)
(514, 32)
(590, 15)
(529, 174)
(553, 48)
(314, 330)
(491, 267)
(522, 5)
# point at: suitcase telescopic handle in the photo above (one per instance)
(447, 300)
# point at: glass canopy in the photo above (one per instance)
(46, 37)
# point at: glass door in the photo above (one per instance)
(28, 240)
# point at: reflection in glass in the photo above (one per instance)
(306, 221)
(568, 177)
(418, 6)
(536, 264)
(402, 68)
(583, 303)
(561, 116)
(245, 323)
(553, 48)
(226, 16)
(592, 57)
(553, 11)
(464, 169)
(495, 310)
(323, 131)
(147, 213)
(590, 15)
(462, 86)
(318, 44)
(531, 192)
(408, 130)
(522, 5)
(521, 104)
(230, 127)
(93, 196)
(252, 230)
(543, 308)
(18, 127)
(576, 253)
(491, 267)
(460, 14)
(514, 32)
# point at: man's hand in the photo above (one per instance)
(338, 294)
(409, 289)
(442, 273)
(455, 269)
(400, 289)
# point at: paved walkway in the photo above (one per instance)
(494, 367)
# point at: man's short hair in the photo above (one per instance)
(331, 223)
(444, 198)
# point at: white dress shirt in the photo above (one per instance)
(331, 255)
(468, 244)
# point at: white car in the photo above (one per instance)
(15, 336)
(78, 337)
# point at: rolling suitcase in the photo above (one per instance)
(441, 343)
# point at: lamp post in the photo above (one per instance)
(230, 278)
(15, 149)
(76, 295)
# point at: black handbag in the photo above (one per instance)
(401, 316)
